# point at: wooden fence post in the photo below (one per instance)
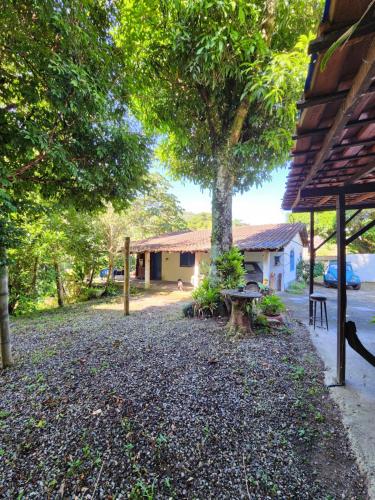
(126, 275)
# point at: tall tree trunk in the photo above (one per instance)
(110, 270)
(59, 284)
(6, 350)
(34, 275)
(92, 274)
(222, 193)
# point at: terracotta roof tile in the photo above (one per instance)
(259, 237)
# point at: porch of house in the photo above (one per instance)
(332, 169)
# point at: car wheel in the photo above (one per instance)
(356, 287)
(326, 284)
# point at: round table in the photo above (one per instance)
(240, 320)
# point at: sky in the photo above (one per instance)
(257, 206)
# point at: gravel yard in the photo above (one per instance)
(158, 406)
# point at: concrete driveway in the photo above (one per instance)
(357, 399)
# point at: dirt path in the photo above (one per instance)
(158, 406)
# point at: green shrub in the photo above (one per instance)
(89, 293)
(261, 323)
(230, 268)
(303, 270)
(25, 305)
(206, 298)
(272, 305)
(112, 290)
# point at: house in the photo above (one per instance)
(185, 255)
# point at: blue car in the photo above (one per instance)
(330, 276)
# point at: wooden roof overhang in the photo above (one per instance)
(335, 139)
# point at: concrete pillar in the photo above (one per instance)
(196, 270)
(266, 267)
(147, 269)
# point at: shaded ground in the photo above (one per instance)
(158, 406)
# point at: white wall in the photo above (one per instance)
(363, 264)
(296, 245)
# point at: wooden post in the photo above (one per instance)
(341, 287)
(147, 269)
(312, 265)
(126, 275)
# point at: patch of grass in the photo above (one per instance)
(4, 414)
(161, 440)
(142, 490)
(319, 417)
(298, 372)
(296, 288)
(127, 425)
(42, 355)
(74, 467)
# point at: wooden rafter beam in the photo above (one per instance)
(319, 131)
(361, 83)
(324, 41)
(328, 98)
(350, 206)
(324, 200)
(364, 197)
(337, 160)
(336, 147)
(369, 187)
(361, 173)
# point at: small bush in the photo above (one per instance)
(25, 305)
(272, 305)
(261, 324)
(206, 298)
(188, 310)
(112, 290)
(230, 269)
(303, 270)
(89, 293)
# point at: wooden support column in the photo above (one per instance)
(267, 268)
(196, 270)
(341, 288)
(312, 265)
(147, 269)
(126, 275)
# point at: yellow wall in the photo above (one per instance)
(171, 270)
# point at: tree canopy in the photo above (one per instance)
(325, 224)
(219, 80)
(64, 122)
(203, 220)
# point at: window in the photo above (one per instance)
(187, 259)
(277, 260)
(291, 258)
